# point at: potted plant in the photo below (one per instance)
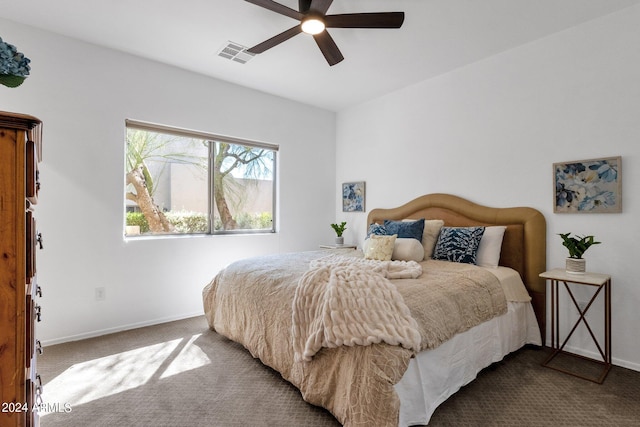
(339, 229)
(577, 246)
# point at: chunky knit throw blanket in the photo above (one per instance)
(350, 301)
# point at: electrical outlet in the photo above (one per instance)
(100, 294)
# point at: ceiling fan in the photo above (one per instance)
(313, 18)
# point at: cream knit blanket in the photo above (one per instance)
(350, 301)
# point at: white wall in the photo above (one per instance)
(490, 132)
(83, 94)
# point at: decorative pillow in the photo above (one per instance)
(458, 244)
(377, 229)
(405, 229)
(490, 246)
(380, 247)
(430, 236)
(407, 249)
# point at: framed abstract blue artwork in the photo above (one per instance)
(353, 197)
(588, 186)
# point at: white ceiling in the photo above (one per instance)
(437, 36)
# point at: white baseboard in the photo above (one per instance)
(614, 360)
(93, 334)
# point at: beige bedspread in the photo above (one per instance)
(250, 302)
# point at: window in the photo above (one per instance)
(184, 182)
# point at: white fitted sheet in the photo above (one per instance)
(434, 375)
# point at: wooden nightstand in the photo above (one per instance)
(602, 283)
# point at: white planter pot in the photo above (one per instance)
(340, 241)
(576, 265)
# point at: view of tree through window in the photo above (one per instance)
(181, 182)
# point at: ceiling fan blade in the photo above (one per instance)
(365, 20)
(278, 8)
(276, 40)
(320, 6)
(329, 48)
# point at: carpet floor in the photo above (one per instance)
(182, 374)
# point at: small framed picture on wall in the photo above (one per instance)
(353, 196)
(588, 186)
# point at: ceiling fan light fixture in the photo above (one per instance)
(313, 26)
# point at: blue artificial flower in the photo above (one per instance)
(14, 66)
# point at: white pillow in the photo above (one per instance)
(490, 246)
(430, 236)
(408, 249)
(380, 247)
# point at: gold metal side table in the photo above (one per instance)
(602, 282)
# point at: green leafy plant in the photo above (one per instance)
(339, 228)
(137, 218)
(577, 245)
(187, 222)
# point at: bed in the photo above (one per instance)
(438, 322)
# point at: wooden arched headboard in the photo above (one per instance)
(524, 247)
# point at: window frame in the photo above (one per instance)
(181, 132)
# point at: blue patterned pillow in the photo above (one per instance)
(405, 229)
(458, 244)
(377, 229)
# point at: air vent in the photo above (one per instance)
(235, 52)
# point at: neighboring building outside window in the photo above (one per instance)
(181, 182)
